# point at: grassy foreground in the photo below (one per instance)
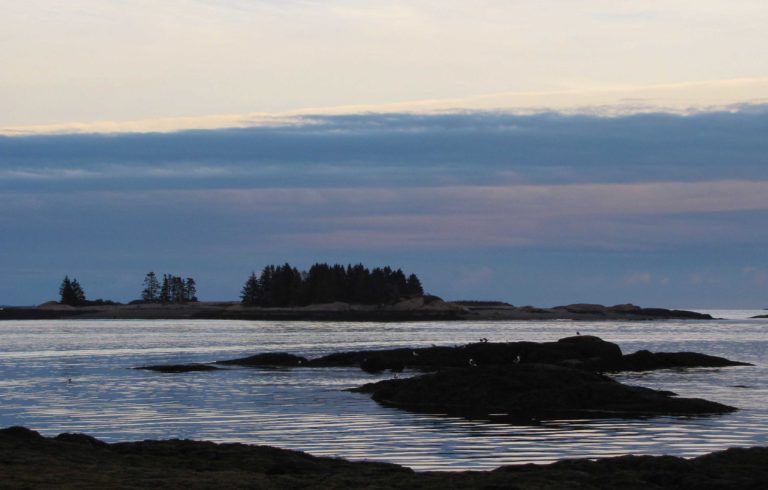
(28, 460)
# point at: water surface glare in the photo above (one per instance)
(308, 409)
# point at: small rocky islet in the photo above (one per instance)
(517, 382)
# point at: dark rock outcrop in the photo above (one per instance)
(529, 392)
(582, 351)
(179, 368)
(583, 348)
(647, 361)
(269, 359)
(585, 352)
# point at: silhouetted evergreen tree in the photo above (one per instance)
(413, 287)
(249, 295)
(165, 290)
(151, 292)
(190, 290)
(71, 292)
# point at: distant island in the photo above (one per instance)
(421, 308)
(324, 292)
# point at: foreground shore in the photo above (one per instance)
(416, 309)
(29, 460)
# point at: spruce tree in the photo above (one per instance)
(190, 290)
(71, 292)
(413, 287)
(151, 292)
(66, 292)
(249, 295)
(165, 290)
(78, 293)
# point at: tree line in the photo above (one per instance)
(284, 285)
(278, 285)
(172, 289)
(73, 294)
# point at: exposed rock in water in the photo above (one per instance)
(79, 461)
(580, 348)
(646, 361)
(582, 351)
(269, 359)
(530, 392)
(179, 368)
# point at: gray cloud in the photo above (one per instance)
(404, 149)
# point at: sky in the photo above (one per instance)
(532, 152)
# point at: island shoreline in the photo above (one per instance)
(421, 309)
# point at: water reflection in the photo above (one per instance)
(307, 409)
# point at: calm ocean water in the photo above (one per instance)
(307, 409)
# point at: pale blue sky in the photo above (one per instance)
(534, 152)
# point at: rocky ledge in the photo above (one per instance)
(581, 351)
(73, 461)
(526, 393)
(585, 352)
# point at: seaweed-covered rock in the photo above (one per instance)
(528, 392)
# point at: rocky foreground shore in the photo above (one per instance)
(425, 308)
(76, 461)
